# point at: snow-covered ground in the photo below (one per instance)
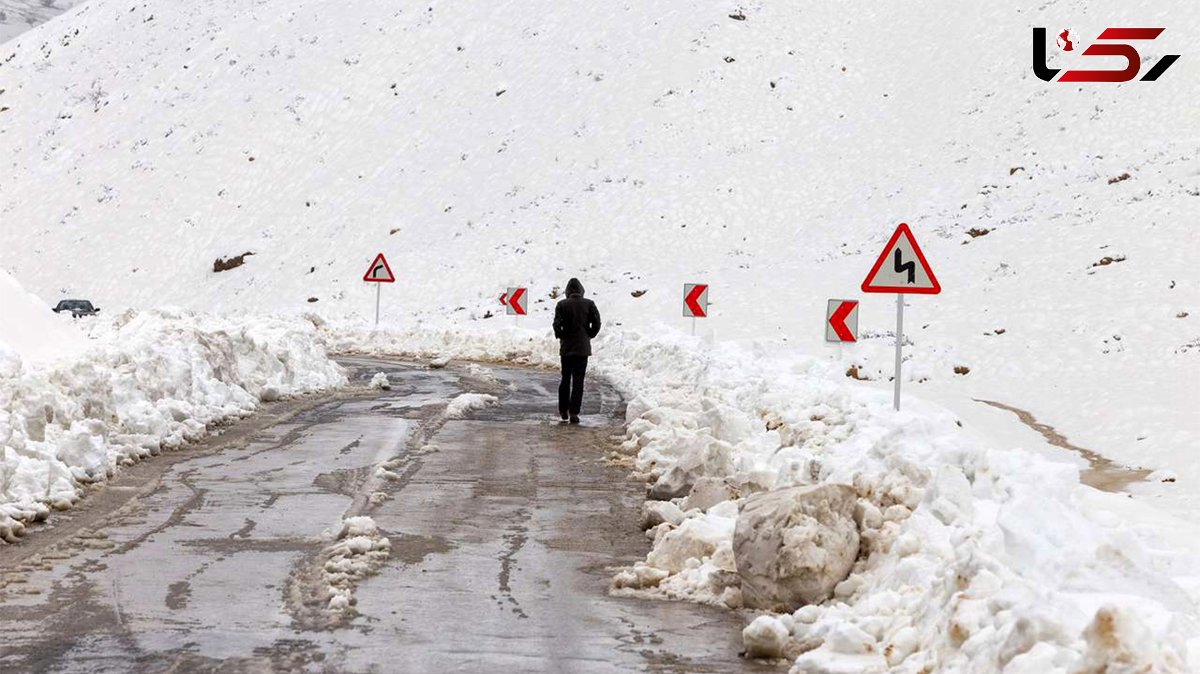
(640, 147)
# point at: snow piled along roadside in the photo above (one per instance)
(151, 380)
(972, 559)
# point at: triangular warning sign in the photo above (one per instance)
(902, 268)
(379, 271)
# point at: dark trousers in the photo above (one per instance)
(570, 391)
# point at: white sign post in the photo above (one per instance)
(695, 302)
(901, 269)
(899, 347)
(379, 273)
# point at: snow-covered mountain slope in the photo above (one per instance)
(18, 16)
(640, 147)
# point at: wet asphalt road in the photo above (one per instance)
(504, 526)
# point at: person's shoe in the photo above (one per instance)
(563, 415)
(574, 419)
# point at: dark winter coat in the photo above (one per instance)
(576, 321)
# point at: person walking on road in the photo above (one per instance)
(576, 322)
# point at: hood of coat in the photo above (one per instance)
(574, 288)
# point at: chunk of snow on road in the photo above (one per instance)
(380, 381)
(765, 637)
(465, 402)
(359, 552)
(639, 577)
(484, 374)
(479, 371)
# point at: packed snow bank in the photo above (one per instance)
(152, 380)
(30, 331)
(971, 558)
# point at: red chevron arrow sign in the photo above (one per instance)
(841, 321)
(504, 299)
(695, 300)
(516, 301)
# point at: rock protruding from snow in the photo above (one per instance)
(793, 546)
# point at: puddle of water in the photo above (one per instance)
(1102, 473)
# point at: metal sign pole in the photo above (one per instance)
(693, 326)
(899, 343)
(378, 292)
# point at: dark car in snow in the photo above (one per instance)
(77, 308)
